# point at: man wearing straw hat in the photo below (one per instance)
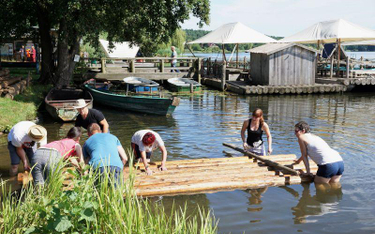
(88, 116)
(22, 140)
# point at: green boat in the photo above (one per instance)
(183, 85)
(144, 104)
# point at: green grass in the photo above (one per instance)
(89, 208)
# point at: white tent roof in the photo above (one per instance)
(121, 50)
(233, 33)
(330, 31)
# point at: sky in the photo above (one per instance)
(286, 17)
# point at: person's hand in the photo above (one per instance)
(162, 168)
(245, 146)
(26, 166)
(148, 171)
(270, 151)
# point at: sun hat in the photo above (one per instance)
(37, 133)
(80, 103)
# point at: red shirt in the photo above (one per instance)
(66, 147)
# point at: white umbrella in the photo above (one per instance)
(233, 33)
(332, 31)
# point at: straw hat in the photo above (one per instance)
(80, 103)
(37, 133)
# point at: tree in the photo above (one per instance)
(143, 22)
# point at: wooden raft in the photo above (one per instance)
(215, 174)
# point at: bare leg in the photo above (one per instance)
(335, 179)
(13, 170)
(321, 180)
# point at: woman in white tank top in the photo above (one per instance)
(329, 161)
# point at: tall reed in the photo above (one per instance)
(86, 206)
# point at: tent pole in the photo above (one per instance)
(317, 59)
(191, 50)
(224, 58)
(338, 56)
(237, 56)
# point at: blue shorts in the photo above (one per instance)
(14, 158)
(331, 169)
(137, 153)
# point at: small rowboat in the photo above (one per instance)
(184, 85)
(59, 103)
(149, 104)
(140, 85)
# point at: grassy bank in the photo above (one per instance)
(88, 208)
(25, 105)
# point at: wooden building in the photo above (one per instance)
(283, 64)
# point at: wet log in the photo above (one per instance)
(364, 81)
(271, 90)
(288, 89)
(263, 159)
(346, 82)
(358, 82)
(368, 81)
(321, 89)
(310, 89)
(265, 89)
(372, 81)
(316, 89)
(281, 90)
(299, 90)
(259, 89)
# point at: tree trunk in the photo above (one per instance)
(46, 61)
(68, 46)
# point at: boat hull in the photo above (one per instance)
(59, 103)
(183, 85)
(142, 104)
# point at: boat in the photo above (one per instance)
(137, 103)
(59, 103)
(140, 85)
(183, 85)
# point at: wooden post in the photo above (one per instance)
(209, 66)
(191, 88)
(317, 59)
(199, 70)
(102, 61)
(338, 56)
(237, 56)
(132, 66)
(162, 65)
(244, 63)
(347, 67)
(361, 66)
(331, 69)
(223, 76)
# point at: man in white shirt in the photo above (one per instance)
(143, 143)
(22, 140)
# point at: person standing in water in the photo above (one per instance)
(255, 127)
(330, 163)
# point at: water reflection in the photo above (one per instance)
(323, 202)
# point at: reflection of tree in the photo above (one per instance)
(321, 203)
(255, 198)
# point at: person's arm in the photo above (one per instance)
(164, 158)
(122, 154)
(145, 163)
(266, 129)
(105, 125)
(304, 157)
(21, 153)
(243, 130)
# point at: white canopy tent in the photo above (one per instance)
(333, 31)
(370, 42)
(121, 49)
(233, 33)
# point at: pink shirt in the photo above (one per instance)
(66, 147)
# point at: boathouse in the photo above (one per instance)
(283, 64)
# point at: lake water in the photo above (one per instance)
(241, 55)
(200, 125)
